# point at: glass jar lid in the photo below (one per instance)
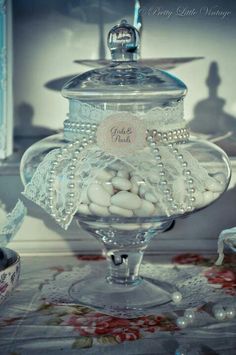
(124, 78)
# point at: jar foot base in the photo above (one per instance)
(122, 300)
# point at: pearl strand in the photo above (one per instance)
(80, 127)
(176, 135)
(76, 147)
(163, 182)
(189, 183)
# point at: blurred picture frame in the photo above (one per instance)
(6, 95)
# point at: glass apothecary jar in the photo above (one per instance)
(125, 167)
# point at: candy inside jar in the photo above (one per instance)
(154, 182)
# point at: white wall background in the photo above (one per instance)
(47, 42)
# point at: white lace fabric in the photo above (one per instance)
(13, 222)
(161, 118)
(226, 238)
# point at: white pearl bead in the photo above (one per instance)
(189, 315)
(52, 171)
(182, 322)
(219, 312)
(54, 163)
(176, 297)
(230, 312)
(51, 180)
(155, 150)
(71, 194)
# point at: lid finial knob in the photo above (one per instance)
(124, 41)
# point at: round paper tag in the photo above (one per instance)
(121, 134)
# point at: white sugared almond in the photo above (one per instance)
(98, 210)
(221, 178)
(213, 185)
(150, 197)
(120, 211)
(146, 209)
(208, 197)
(123, 173)
(199, 199)
(84, 197)
(104, 175)
(121, 183)
(108, 187)
(98, 195)
(134, 188)
(82, 208)
(126, 200)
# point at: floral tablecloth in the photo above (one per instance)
(30, 323)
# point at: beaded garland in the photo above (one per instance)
(74, 149)
(177, 135)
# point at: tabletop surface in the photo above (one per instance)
(32, 323)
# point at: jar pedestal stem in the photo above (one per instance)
(123, 266)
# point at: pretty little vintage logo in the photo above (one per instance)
(185, 11)
(121, 134)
